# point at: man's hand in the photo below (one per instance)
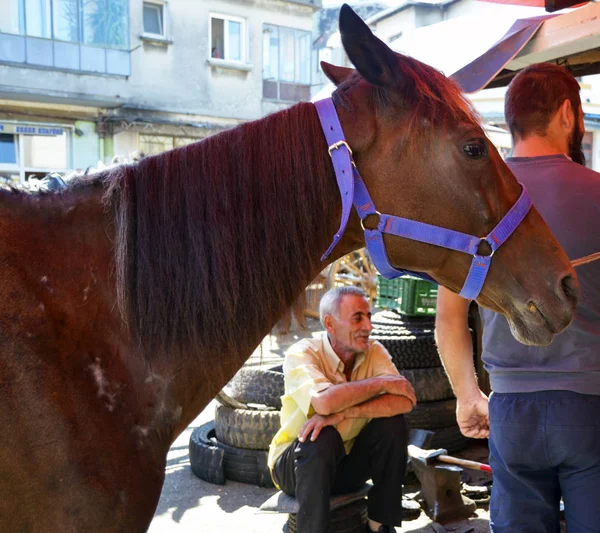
(473, 417)
(399, 386)
(313, 426)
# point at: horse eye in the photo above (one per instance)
(475, 149)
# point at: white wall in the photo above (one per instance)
(403, 21)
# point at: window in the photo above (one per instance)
(99, 22)
(105, 22)
(37, 20)
(66, 20)
(45, 152)
(184, 141)
(227, 38)
(33, 150)
(154, 19)
(12, 17)
(8, 149)
(155, 144)
(81, 35)
(286, 63)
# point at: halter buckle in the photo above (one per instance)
(336, 145)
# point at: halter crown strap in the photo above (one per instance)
(354, 191)
(341, 156)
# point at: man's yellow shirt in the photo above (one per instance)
(312, 366)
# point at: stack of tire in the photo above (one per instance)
(410, 341)
(235, 445)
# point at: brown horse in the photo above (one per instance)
(130, 299)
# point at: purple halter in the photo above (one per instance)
(354, 192)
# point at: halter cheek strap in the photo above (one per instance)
(354, 192)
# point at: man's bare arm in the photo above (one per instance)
(382, 406)
(340, 397)
(454, 342)
(456, 351)
(379, 407)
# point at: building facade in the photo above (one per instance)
(84, 81)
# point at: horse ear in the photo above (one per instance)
(374, 60)
(336, 74)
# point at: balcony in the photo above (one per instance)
(90, 36)
(63, 55)
(317, 4)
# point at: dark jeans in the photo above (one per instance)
(313, 471)
(544, 445)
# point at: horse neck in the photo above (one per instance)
(220, 252)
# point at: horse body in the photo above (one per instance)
(128, 301)
(88, 413)
(70, 401)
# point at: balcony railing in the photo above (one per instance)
(63, 55)
(316, 3)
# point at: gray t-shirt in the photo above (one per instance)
(568, 197)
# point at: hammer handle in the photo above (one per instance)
(474, 465)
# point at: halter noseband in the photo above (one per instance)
(354, 192)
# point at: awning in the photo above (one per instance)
(570, 39)
(484, 56)
(456, 42)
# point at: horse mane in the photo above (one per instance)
(214, 240)
(426, 94)
(432, 95)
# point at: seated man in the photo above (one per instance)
(342, 418)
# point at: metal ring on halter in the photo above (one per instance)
(370, 214)
(484, 239)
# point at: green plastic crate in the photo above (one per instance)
(409, 295)
(388, 292)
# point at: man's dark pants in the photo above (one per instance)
(544, 445)
(313, 471)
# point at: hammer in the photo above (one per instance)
(429, 456)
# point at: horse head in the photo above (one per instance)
(423, 155)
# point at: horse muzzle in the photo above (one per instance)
(537, 320)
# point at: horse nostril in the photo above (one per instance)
(571, 288)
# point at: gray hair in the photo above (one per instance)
(330, 303)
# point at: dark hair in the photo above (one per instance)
(535, 95)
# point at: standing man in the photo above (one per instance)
(544, 409)
(342, 418)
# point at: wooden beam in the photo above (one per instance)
(562, 36)
(555, 5)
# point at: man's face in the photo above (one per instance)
(576, 138)
(351, 329)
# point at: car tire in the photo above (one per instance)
(206, 458)
(253, 386)
(430, 384)
(246, 428)
(432, 415)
